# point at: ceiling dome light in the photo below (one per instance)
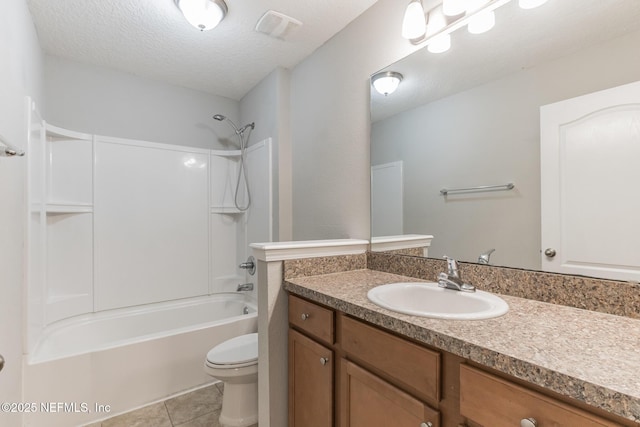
(414, 24)
(386, 82)
(203, 14)
(530, 4)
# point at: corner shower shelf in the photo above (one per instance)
(62, 208)
(225, 210)
(226, 153)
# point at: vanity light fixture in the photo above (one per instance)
(439, 41)
(414, 24)
(203, 14)
(454, 7)
(445, 18)
(483, 21)
(386, 82)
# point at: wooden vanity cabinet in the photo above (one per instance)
(311, 364)
(489, 400)
(347, 373)
(385, 380)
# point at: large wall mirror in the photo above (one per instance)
(471, 117)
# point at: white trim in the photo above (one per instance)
(279, 251)
(65, 133)
(406, 241)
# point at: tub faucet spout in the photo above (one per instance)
(245, 287)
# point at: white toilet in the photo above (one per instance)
(235, 362)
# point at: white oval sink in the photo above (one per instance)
(430, 300)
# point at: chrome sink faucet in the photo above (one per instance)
(452, 280)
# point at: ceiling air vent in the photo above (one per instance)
(278, 25)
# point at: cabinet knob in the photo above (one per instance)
(427, 424)
(528, 422)
(324, 360)
(304, 316)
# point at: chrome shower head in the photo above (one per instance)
(251, 125)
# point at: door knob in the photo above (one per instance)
(550, 252)
(1, 362)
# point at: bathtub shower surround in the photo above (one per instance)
(118, 223)
(163, 355)
(125, 237)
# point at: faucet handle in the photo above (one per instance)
(452, 266)
(484, 257)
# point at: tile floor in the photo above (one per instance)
(199, 408)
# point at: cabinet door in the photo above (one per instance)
(310, 382)
(495, 402)
(368, 401)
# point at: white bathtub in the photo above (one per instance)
(127, 358)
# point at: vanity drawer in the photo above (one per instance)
(415, 368)
(495, 402)
(311, 318)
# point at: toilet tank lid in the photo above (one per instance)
(236, 350)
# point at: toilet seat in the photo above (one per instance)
(234, 353)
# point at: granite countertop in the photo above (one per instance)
(589, 356)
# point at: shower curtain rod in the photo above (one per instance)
(8, 150)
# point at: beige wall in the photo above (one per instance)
(97, 100)
(330, 124)
(267, 104)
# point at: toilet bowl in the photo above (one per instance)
(235, 362)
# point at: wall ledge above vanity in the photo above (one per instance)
(404, 241)
(280, 251)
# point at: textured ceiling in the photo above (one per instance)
(521, 39)
(151, 38)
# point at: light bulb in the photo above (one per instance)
(482, 22)
(530, 4)
(453, 7)
(414, 23)
(439, 44)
